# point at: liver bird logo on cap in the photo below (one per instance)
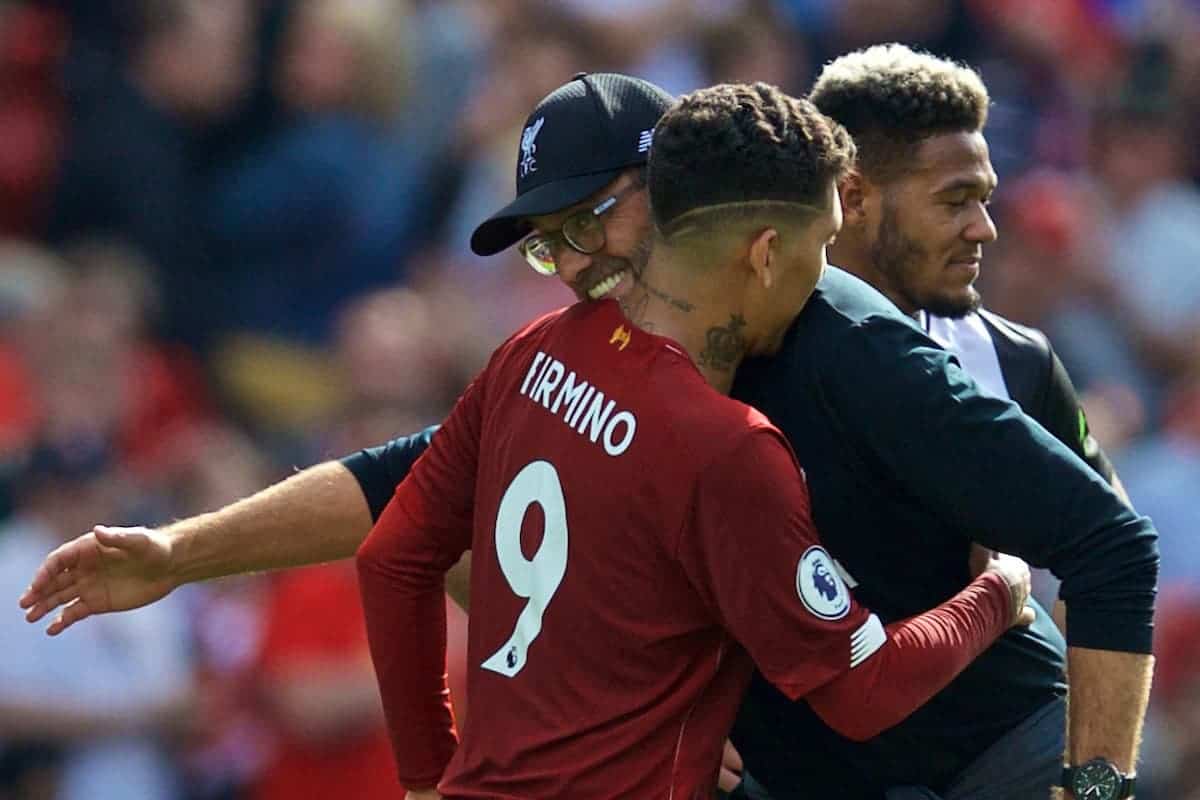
(529, 147)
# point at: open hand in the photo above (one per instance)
(108, 569)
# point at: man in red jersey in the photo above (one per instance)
(640, 541)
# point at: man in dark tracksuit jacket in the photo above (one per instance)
(907, 462)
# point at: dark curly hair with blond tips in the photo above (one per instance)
(743, 143)
(891, 98)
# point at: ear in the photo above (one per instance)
(854, 189)
(762, 256)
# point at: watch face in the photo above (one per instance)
(1096, 780)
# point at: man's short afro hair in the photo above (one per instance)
(891, 97)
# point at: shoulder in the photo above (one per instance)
(528, 337)
(849, 341)
(848, 298)
(544, 323)
(703, 427)
(1020, 338)
(748, 461)
(1027, 362)
(843, 316)
(846, 314)
(588, 318)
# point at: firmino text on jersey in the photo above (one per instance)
(579, 404)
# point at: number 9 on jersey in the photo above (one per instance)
(537, 578)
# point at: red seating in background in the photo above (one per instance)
(32, 43)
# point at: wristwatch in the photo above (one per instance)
(1098, 779)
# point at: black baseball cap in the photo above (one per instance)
(580, 137)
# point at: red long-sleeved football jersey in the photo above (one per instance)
(639, 542)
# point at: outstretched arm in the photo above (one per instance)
(320, 514)
(316, 515)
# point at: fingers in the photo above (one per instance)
(49, 574)
(1027, 616)
(61, 577)
(731, 758)
(1024, 612)
(1017, 575)
(54, 583)
(45, 605)
(75, 611)
(731, 768)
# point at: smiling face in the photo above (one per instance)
(929, 224)
(610, 272)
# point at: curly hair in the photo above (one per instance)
(891, 98)
(743, 143)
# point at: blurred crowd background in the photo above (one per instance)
(233, 242)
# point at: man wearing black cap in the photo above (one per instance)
(590, 138)
(944, 464)
(578, 139)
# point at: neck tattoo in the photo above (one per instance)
(677, 303)
(634, 309)
(724, 345)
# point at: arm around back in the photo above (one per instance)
(753, 555)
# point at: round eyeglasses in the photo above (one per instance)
(583, 232)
